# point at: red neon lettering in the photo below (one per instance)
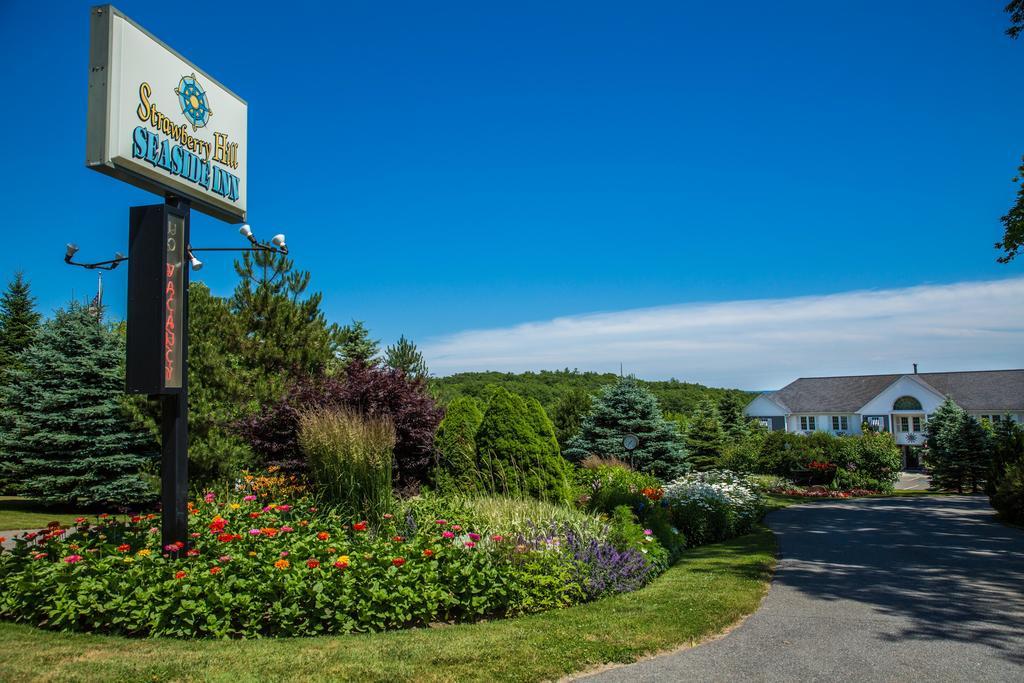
(169, 336)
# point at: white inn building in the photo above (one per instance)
(899, 404)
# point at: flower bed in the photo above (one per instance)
(711, 506)
(822, 492)
(290, 570)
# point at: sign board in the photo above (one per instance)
(158, 121)
(157, 299)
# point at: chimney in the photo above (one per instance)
(915, 368)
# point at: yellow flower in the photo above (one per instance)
(344, 558)
(129, 559)
(145, 552)
(252, 553)
(235, 506)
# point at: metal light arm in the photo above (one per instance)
(99, 265)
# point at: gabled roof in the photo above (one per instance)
(996, 390)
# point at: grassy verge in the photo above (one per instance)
(19, 513)
(709, 589)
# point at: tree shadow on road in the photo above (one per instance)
(944, 564)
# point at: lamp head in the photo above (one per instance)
(196, 263)
(278, 241)
(245, 231)
(71, 251)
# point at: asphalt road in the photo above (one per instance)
(926, 588)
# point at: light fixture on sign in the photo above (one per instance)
(278, 241)
(196, 263)
(70, 253)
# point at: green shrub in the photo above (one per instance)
(349, 458)
(457, 470)
(605, 487)
(625, 533)
(518, 452)
(1008, 499)
(869, 461)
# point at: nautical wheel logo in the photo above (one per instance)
(194, 104)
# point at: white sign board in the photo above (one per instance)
(159, 122)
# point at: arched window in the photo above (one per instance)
(906, 403)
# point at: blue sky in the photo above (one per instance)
(451, 167)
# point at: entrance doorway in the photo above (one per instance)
(911, 458)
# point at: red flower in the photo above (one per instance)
(470, 544)
(80, 520)
(323, 536)
(497, 538)
(397, 539)
(104, 515)
(215, 570)
(341, 565)
(180, 544)
(359, 526)
(123, 548)
(217, 525)
(226, 538)
(180, 575)
(137, 518)
(192, 553)
(398, 561)
(312, 563)
(428, 552)
(254, 515)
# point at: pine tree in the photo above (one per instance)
(355, 345)
(65, 438)
(944, 454)
(406, 357)
(457, 469)
(568, 415)
(282, 333)
(1007, 448)
(627, 408)
(730, 414)
(517, 450)
(19, 321)
(705, 439)
(973, 451)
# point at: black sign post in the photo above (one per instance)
(157, 336)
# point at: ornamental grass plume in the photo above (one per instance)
(350, 458)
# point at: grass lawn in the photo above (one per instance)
(19, 513)
(709, 589)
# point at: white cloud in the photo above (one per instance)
(762, 344)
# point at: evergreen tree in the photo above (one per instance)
(730, 414)
(283, 335)
(942, 429)
(568, 414)
(1007, 448)
(19, 321)
(222, 387)
(627, 408)
(705, 439)
(355, 345)
(518, 451)
(406, 357)
(65, 438)
(974, 451)
(457, 469)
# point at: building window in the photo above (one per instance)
(992, 418)
(766, 422)
(916, 423)
(904, 423)
(906, 403)
(840, 423)
(875, 423)
(807, 423)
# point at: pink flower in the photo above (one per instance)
(647, 532)
(497, 538)
(470, 544)
(448, 534)
(224, 558)
(255, 532)
(440, 522)
(456, 527)
(250, 497)
(284, 508)
(209, 497)
(474, 537)
(285, 529)
(171, 548)
(284, 553)
(154, 530)
(72, 559)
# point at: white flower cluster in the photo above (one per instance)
(706, 489)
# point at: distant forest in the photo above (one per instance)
(675, 397)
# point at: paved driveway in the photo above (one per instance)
(925, 588)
